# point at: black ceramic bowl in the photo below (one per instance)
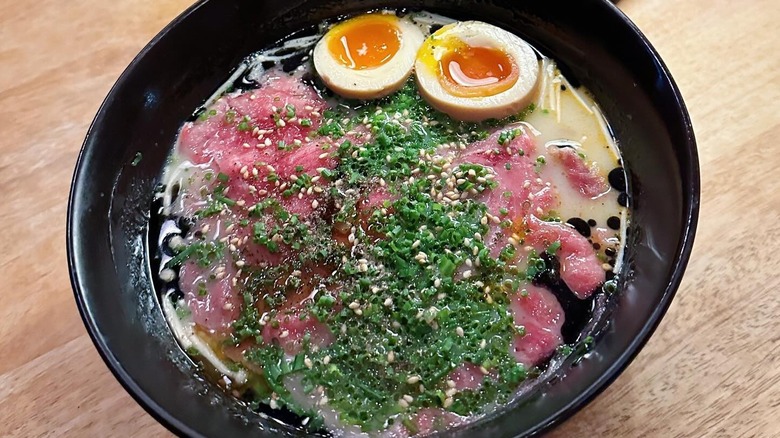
(126, 148)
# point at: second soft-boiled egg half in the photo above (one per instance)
(474, 71)
(368, 56)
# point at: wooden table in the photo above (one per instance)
(711, 369)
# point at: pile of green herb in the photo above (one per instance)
(409, 302)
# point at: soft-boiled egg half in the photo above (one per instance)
(474, 71)
(368, 56)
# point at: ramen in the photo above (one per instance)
(389, 226)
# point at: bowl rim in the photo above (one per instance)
(690, 215)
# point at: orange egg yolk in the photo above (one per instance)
(365, 42)
(468, 71)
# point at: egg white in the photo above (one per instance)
(371, 83)
(478, 108)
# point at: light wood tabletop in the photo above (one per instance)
(711, 369)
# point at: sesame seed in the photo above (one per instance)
(240, 263)
(408, 398)
(354, 305)
(167, 275)
(447, 402)
(413, 379)
(284, 334)
(403, 403)
(459, 331)
(437, 282)
(326, 360)
(390, 357)
(466, 273)
(176, 242)
(315, 204)
(484, 370)
(308, 363)
(388, 302)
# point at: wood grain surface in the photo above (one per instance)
(711, 369)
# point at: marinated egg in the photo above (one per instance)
(475, 71)
(368, 56)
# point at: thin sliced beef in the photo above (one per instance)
(519, 192)
(252, 139)
(263, 150)
(430, 420)
(582, 177)
(288, 331)
(214, 303)
(581, 270)
(467, 376)
(539, 312)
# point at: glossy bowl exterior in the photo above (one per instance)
(135, 128)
